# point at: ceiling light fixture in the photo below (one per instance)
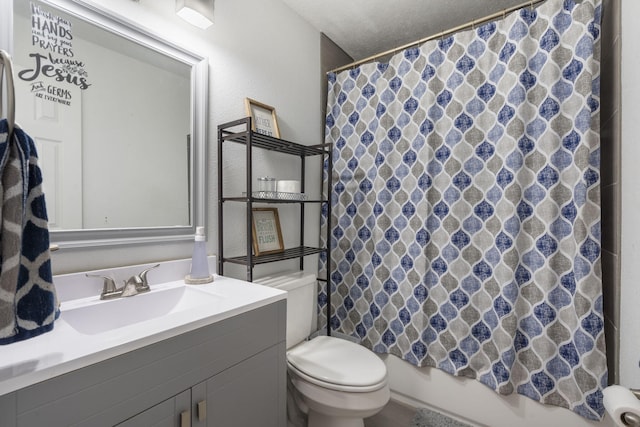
(196, 12)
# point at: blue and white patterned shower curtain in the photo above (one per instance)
(466, 205)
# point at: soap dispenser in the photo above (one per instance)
(199, 265)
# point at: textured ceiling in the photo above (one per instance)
(365, 27)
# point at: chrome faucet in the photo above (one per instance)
(134, 285)
(109, 289)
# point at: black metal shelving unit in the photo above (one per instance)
(239, 131)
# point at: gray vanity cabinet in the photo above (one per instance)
(240, 396)
(169, 413)
(228, 374)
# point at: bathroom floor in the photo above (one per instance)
(394, 414)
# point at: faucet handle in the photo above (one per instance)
(143, 284)
(109, 288)
(132, 286)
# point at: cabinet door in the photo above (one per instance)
(172, 412)
(251, 393)
(8, 404)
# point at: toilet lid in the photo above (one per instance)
(337, 361)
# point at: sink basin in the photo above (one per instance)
(100, 316)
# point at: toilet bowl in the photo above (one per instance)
(333, 382)
(337, 383)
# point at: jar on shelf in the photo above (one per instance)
(266, 183)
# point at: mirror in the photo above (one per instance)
(119, 121)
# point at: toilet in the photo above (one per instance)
(331, 381)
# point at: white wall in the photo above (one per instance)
(630, 250)
(256, 48)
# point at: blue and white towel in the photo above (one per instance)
(28, 303)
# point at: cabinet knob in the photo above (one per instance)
(185, 419)
(202, 410)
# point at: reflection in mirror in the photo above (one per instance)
(118, 117)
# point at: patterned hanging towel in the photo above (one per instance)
(28, 303)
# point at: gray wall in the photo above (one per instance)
(610, 131)
(331, 57)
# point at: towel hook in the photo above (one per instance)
(5, 63)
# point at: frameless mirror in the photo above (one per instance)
(119, 119)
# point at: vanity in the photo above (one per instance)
(179, 355)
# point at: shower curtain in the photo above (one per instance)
(465, 220)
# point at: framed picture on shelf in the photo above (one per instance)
(263, 118)
(267, 236)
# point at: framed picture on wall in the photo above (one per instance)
(263, 117)
(267, 236)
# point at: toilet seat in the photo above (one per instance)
(337, 364)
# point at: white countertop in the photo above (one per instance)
(65, 348)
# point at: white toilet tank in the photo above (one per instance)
(301, 302)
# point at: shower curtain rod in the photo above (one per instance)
(470, 24)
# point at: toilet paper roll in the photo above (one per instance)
(619, 400)
(288, 186)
